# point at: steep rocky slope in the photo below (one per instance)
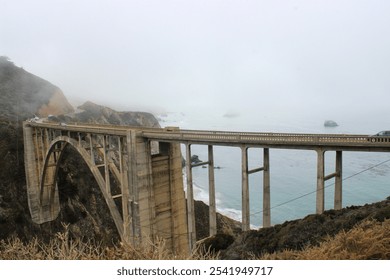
(24, 95)
(309, 231)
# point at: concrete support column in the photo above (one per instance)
(131, 145)
(266, 191)
(106, 162)
(37, 154)
(79, 139)
(190, 200)
(320, 197)
(91, 148)
(245, 189)
(338, 192)
(47, 140)
(42, 149)
(212, 204)
(125, 192)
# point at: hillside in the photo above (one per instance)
(24, 95)
(307, 232)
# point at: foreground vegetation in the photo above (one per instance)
(368, 240)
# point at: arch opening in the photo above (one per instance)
(69, 173)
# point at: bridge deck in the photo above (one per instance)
(346, 142)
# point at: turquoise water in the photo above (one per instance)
(293, 172)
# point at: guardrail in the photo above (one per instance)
(230, 137)
(284, 139)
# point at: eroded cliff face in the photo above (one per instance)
(24, 95)
(57, 105)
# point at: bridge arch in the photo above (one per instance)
(48, 194)
(50, 189)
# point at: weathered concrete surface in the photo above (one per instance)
(148, 202)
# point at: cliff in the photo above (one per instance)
(24, 95)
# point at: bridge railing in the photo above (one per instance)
(267, 138)
(233, 137)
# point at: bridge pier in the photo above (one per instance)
(245, 188)
(266, 190)
(212, 203)
(320, 194)
(338, 196)
(321, 178)
(190, 200)
(167, 199)
(190, 194)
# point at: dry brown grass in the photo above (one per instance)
(367, 241)
(63, 248)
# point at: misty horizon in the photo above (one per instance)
(287, 58)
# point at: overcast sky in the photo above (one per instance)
(272, 55)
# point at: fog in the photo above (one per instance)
(329, 58)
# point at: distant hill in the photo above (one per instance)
(23, 95)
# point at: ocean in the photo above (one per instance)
(292, 172)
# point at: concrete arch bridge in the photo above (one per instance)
(148, 200)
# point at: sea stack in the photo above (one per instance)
(330, 123)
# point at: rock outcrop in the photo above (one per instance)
(90, 112)
(330, 123)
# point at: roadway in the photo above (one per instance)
(344, 142)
